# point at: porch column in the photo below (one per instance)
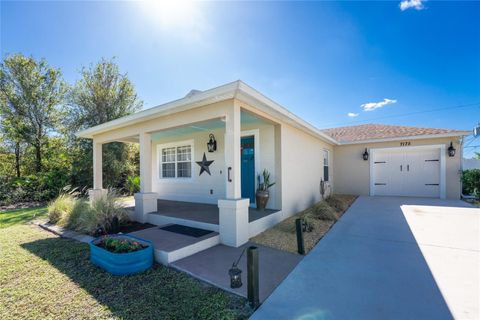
(97, 190)
(232, 152)
(145, 200)
(233, 211)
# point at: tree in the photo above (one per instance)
(102, 94)
(477, 155)
(11, 141)
(31, 93)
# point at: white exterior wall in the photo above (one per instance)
(266, 158)
(197, 188)
(302, 169)
(353, 173)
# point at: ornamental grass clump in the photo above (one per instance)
(337, 203)
(324, 211)
(308, 221)
(61, 207)
(81, 217)
(107, 212)
(103, 215)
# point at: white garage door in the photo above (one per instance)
(406, 172)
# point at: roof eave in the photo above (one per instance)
(217, 94)
(419, 137)
(229, 91)
(279, 111)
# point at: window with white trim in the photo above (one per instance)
(176, 161)
(325, 165)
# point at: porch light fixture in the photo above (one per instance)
(451, 150)
(235, 273)
(212, 143)
(365, 155)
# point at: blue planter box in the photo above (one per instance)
(122, 263)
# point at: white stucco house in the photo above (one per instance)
(253, 133)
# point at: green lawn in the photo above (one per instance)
(12, 217)
(46, 277)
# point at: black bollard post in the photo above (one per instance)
(300, 243)
(253, 292)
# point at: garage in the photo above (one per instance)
(408, 171)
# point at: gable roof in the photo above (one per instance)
(368, 132)
(240, 90)
(196, 98)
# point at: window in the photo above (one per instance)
(176, 161)
(325, 165)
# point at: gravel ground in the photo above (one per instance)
(283, 236)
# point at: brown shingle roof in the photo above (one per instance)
(382, 131)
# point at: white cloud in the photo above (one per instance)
(415, 4)
(375, 105)
(352, 115)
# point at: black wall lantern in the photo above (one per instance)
(365, 155)
(212, 143)
(451, 150)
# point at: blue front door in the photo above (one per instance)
(248, 168)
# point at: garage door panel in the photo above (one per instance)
(414, 172)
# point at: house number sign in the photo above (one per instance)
(404, 144)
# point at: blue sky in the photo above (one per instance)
(321, 60)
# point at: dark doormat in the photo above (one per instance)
(188, 231)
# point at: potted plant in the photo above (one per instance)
(121, 254)
(262, 195)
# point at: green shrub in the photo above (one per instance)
(61, 207)
(133, 184)
(471, 182)
(337, 203)
(40, 187)
(324, 211)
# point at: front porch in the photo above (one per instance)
(201, 212)
(170, 247)
(205, 216)
(184, 182)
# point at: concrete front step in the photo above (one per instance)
(169, 246)
(159, 220)
(167, 257)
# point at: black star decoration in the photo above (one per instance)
(204, 165)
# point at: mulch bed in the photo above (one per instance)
(132, 226)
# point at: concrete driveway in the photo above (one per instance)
(388, 258)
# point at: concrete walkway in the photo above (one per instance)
(212, 266)
(388, 258)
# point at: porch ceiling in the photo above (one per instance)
(206, 126)
(190, 129)
(246, 118)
